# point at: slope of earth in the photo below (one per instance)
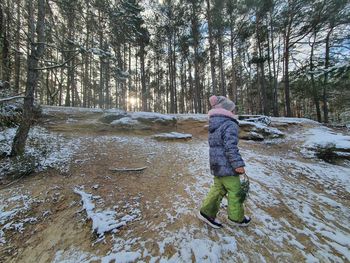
(300, 207)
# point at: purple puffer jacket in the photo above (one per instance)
(224, 155)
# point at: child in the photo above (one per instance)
(226, 164)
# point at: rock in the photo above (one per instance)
(111, 115)
(130, 124)
(292, 121)
(256, 118)
(138, 120)
(257, 130)
(200, 118)
(154, 118)
(172, 136)
(322, 137)
(251, 136)
(116, 111)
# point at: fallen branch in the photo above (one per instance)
(128, 169)
(12, 98)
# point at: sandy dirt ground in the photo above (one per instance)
(299, 212)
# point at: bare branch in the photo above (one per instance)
(61, 64)
(11, 98)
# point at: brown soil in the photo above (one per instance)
(155, 192)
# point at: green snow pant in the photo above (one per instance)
(229, 185)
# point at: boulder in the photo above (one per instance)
(256, 131)
(256, 118)
(251, 136)
(129, 124)
(154, 118)
(111, 115)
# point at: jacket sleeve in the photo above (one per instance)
(230, 138)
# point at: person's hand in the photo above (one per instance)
(240, 170)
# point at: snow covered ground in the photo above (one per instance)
(290, 216)
(323, 136)
(45, 148)
(300, 207)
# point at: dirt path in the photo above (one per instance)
(298, 206)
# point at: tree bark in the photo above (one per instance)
(313, 84)
(234, 89)
(221, 64)
(5, 45)
(196, 36)
(326, 65)
(17, 52)
(286, 74)
(171, 71)
(174, 75)
(260, 65)
(36, 52)
(144, 92)
(211, 51)
(275, 81)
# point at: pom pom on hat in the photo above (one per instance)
(213, 100)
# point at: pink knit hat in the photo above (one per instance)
(218, 102)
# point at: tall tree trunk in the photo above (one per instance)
(5, 43)
(107, 80)
(70, 69)
(2, 36)
(144, 93)
(129, 71)
(48, 91)
(221, 64)
(260, 65)
(17, 52)
(37, 48)
(211, 50)
(234, 90)
(101, 98)
(191, 89)
(174, 75)
(85, 58)
(275, 80)
(60, 87)
(171, 72)
(286, 74)
(197, 99)
(182, 84)
(313, 84)
(262, 80)
(86, 82)
(326, 65)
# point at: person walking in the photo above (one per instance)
(226, 164)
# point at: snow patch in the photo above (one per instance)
(152, 116)
(293, 120)
(51, 109)
(121, 257)
(10, 211)
(323, 136)
(103, 221)
(73, 255)
(49, 150)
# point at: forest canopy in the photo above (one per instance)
(276, 57)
